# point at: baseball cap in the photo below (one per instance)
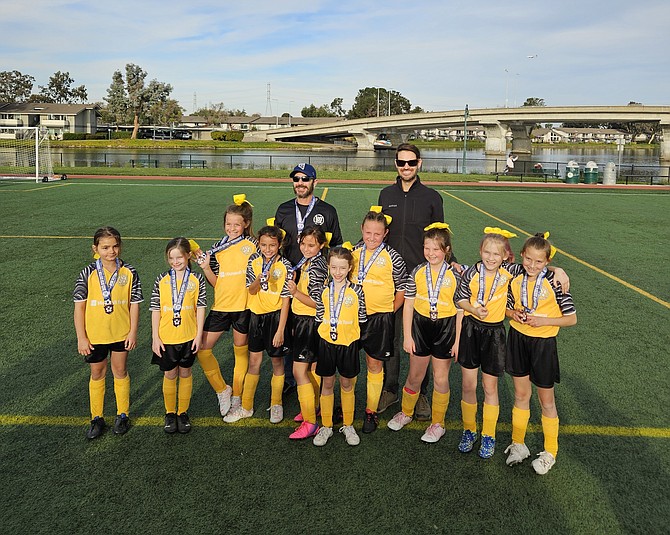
(305, 168)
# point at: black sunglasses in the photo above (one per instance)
(301, 178)
(402, 163)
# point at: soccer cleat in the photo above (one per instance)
(183, 423)
(298, 417)
(517, 453)
(235, 401)
(238, 414)
(398, 421)
(276, 414)
(386, 400)
(322, 436)
(468, 439)
(121, 424)
(97, 428)
(370, 422)
(305, 430)
(543, 463)
(422, 410)
(170, 426)
(350, 435)
(434, 433)
(487, 447)
(224, 400)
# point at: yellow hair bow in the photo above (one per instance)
(240, 199)
(438, 225)
(270, 221)
(347, 245)
(194, 245)
(329, 236)
(495, 230)
(96, 256)
(553, 249)
(378, 210)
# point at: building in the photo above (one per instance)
(58, 119)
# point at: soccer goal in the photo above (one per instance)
(25, 154)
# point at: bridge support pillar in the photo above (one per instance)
(665, 144)
(364, 139)
(496, 142)
(521, 142)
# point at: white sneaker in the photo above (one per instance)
(399, 420)
(239, 413)
(235, 402)
(517, 453)
(224, 400)
(350, 435)
(543, 463)
(276, 414)
(322, 436)
(434, 433)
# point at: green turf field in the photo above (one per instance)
(613, 467)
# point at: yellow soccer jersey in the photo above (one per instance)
(417, 289)
(313, 274)
(386, 276)
(194, 298)
(553, 303)
(230, 268)
(352, 314)
(271, 299)
(103, 328)
(468, 290)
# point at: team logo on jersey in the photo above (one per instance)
(318, 219)
(446, 283)
(348, 301)
(123, 280)
(503, 281)
(276, 273)
(381, 261)
(191, 286)
(247, 250)
(544, 293)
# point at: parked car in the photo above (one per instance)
(163, 133)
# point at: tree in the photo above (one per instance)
(117, 102)
(336, 107)
(377, 100)
(142, 98)
(322, 111)
(165, 112)
(216, 114)
(534, 101)
(15, 86)
(60, 90)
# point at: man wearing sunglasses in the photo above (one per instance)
(306, 209)
(413, 206)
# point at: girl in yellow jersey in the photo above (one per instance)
(269, 302)
(225, 267)
(178, 303)
(432, 326)
(107, 297)
(312, 271)
(536, 310)
(381, 271)
(340, 311)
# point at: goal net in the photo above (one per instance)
(25, 154)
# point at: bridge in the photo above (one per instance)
(495, 121)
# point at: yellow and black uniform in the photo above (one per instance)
(482, 342)
(532, 351)
(311, 278)
(433, 337)
(266, 305)
(177, 339)
(104, 329)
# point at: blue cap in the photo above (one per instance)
(305, 168)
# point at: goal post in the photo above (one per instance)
(25, 153)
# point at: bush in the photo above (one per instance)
(219, 135)
(121, 134)
(72, 136)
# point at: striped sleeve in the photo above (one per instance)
(213, 262)
(251, 276)
(514, 269)
(318, 273)
(563, 299)
(155, 303)
(410, 288)
(464, 293)
(399, 270)
(289, 267)
(202, 290)
(320, 309)
(510, 296)
(136, 289)
(362, 311)
(81, 284)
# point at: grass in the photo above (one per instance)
(248, 477)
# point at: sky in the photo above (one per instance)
(441, 55)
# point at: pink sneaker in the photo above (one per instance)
(298, 417)
(305, 430)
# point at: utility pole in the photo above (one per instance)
(465, 137)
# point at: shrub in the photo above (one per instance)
(219, 135)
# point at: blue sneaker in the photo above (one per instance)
(487, 447)
(468, 439)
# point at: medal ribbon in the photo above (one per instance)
(107, 288)
(299, 220)
(265, 270)
(536, 291)
(363, 268)
(227, 242)
(302, 262)
(178, 297)
(335, 308)
(433, 293)
(482, 285)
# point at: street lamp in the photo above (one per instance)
(289, 112)
(388, 92)
(506, 86)
(466, 113)
(276, 112)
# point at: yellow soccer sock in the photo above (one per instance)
(440, 406)
(122, 393)
(185, 390)
(307, 404)
(327, 404)
(520, 419)
(240, 369)
(96, 396)
(277, 386)
(212, 371)
(249, 392)
(170, 394)
(348, 402)
(469, 415)
(375, 384)
(409, 402)
(316, 386)
(490, 419)
(550, 430)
